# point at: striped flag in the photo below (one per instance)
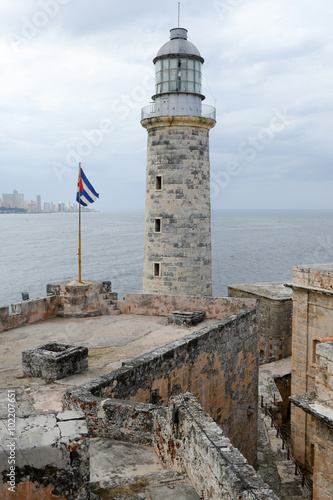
(86, 194)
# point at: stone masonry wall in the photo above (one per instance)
(29, 312)
(187, 438)
(70, 299)
(218, 364)
(323, 440)
(180, 243)
(163, 305)
(275, 321)
(312, 321)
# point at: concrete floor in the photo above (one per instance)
(110, 339)
(124, 470)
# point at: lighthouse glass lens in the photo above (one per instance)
(178, 74)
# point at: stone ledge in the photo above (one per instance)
(308, 403)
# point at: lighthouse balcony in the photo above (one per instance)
(179, 108)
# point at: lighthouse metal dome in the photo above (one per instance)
(178, 45)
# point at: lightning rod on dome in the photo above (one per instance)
(178, 14)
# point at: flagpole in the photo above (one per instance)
(80, 223)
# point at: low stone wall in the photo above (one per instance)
(48, 455)
(218, 364)
(187, 438)
(69, 300)
(29, 312)
(163, 305)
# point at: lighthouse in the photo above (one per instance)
(177, 246)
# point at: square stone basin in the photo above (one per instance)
(55, 360)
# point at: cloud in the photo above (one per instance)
(75, 79)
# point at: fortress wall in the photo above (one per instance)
(275, 317)
(312, 322)
(163, 305)
(218, 364)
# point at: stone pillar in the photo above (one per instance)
(177, 254)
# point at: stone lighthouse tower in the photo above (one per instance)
(177, 253)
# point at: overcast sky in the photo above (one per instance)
(76, 73)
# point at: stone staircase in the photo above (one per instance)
(108, 306)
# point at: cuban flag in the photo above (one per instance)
(86, 194)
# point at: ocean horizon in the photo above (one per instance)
(248, 246)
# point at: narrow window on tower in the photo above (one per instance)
(314, 345)
(157, 269)
(158, 225)
(158, 184)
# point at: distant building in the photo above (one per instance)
(31, 206)
(14, 200)
(47, 207)
(38, 203)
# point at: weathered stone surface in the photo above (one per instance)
(318, 406)
(218, 364)
(23, 405)
(275, 317)
(163, 305)
(54, 460)
(312, 322)
(180, 244)
(70, 299)
(192, 441)
(187, 318)
(55, 360)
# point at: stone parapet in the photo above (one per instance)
(68, 299)
(187, 438)
(275, 317)
(163, 305)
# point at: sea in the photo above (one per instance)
(248, 246)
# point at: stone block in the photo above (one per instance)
(55, 360)
(187, 318)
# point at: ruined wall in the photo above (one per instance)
(163, 305)
(312, 321)
(180, 243)
(50, 453)
(218, 364)
(275, 318)
(187, 438)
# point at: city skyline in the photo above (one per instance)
(268, 68)
(17, 200)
